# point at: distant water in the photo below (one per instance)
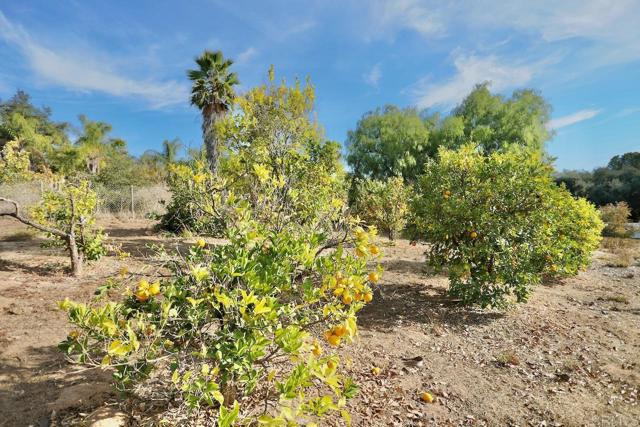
(636, 228)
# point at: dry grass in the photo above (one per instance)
(623, 252)
(617, 298)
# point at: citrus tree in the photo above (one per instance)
(383, 204)
(246, 329)
(67, 217)
(275, 156)
(498, 223)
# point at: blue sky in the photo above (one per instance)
(124, 62)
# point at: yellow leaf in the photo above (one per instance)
(118, 348)
(261, 308)
(109, 327)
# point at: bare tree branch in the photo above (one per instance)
(17, 215)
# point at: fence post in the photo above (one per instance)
(133, 212)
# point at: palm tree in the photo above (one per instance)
(212, 92)
(170, 150)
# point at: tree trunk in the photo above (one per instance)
(70, 237)
(211, 115)
(76, 257)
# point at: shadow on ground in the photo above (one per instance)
(421, 304)
(39, 383)
(40, 270)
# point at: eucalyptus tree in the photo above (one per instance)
(213, 93)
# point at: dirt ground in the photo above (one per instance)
(569, 357)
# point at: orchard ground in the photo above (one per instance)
(570, 356)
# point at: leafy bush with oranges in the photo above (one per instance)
(246, 330)
(498, 223)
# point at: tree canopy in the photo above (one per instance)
(619, 181)
(390, 141)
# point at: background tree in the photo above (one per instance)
(619, 181)
(213, 93)
(389, 142)
(94, 143)
(492, 121)
(37, 134)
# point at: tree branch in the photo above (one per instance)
(27, 221)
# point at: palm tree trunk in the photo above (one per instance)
(209, 118)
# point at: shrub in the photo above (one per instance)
(616, 216)
(274, 156)
(239, 328)
(14, 163)
(191, 206)
(383, 204)
(498, 223)
(67, 217)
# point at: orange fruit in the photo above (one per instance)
(333, 340)
(374, 277)
(375, 370)
(368, 297)
(340, 331)
(347, 299)
(332, 365)
(473, 235)
(427, 397)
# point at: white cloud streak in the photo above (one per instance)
(82, 72)
(387, 16)
(470, 70)
(374, 75)
(246, 55)
(571, 119)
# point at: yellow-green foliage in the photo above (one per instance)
(276, 152)
(247, 329)
(498, 223)
(383, 204)
(273, 155)
(72, 207)
(14, 163)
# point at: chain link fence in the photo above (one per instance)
(127, 201)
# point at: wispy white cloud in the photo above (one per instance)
(373, 76)
(246, 55)
(471, 70)
(628, 111)
(81, 71)
(388, 16)
(609, 29)
(571, 119)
